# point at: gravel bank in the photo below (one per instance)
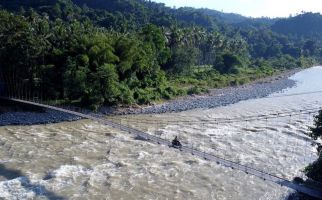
(31, 118)
(28, 115)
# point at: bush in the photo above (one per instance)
(181, 92)
(197, 90)
(168, 93)
(314, 171)
(143, 96)
(126, 95)
(316, 132)
(228, 63)
(93, 101)
(242, 80)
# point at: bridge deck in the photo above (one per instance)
(249, 170)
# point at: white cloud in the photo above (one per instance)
(287, 7)
(255, 8)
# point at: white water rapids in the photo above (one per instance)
(87, 160)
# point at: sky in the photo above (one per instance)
(252, 8)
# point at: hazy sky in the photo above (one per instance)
(254, 8)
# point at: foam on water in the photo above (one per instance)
(14, 189)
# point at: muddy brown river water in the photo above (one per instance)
(87, 160)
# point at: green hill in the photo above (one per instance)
(307, 25)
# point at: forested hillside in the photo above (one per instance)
(307, 25)
(113, 52)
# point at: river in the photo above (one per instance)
(87, 160)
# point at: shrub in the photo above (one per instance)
(143, 96)
(314, 171)
(228, 63)
(126, 95)
(197, 90)
(316, 132)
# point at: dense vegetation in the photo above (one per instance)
(307, 25)
(316, 131)
(314, 171)
(110, 52)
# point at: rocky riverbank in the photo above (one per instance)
(30, 118)
(28, 115)
(215, 98)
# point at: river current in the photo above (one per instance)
(87, 160)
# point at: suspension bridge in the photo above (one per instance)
(300, 187)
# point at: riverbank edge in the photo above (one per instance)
(215, 98)
(281, 81)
